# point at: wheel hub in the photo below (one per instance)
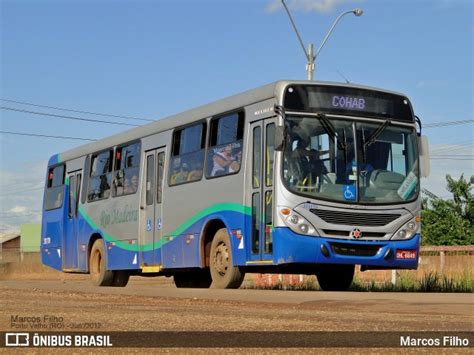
(221, 259)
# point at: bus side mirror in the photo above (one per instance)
(280, 134)
(424, 151)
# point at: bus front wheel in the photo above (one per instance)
(223, 272)
(335, 277)
(100, 276)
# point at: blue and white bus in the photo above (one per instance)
(293, 177)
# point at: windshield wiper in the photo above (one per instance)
(373, 137)
(331, 131)
(364, 152)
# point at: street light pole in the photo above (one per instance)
(310, 57)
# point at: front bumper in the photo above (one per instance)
(290, 247)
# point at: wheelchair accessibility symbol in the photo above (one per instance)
(148, 225)
(349, 192)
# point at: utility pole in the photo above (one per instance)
(310, 57)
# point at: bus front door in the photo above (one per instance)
(150, 254)
(70, 241)
(261, 191)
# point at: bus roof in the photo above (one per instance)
(230, 103)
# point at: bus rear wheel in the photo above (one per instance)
(193, 279)
(100, 276)
(121, 278)
(335, 277)
(223, 272)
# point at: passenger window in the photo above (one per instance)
(159, 177)
(224, 155)
(126, 173)
(55, 188)
(187, 156)
(256, 157)
(100, 176)
(269, 153)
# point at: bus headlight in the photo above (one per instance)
(296, 222)
(407, 231)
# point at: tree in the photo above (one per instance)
(450, 222)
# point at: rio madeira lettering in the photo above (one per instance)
(117, 216)
(348, 102)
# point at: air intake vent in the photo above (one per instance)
(354, 249)
(355, 218)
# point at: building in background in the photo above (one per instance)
(14, 245)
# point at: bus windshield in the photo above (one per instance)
(350, 161)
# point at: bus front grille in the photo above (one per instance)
(355, 218)
(340, 233)
(354, 250)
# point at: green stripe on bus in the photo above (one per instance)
(220, 207)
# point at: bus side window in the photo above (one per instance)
(187, 155)
(55, 188)
(159, 177)
(224, 155)
(126, 173)
(100, 176)
(269, 154)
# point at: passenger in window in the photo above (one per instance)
(118, 185)
(222, 160)
(196, 172)
(183, 174)
(127, 188)
(134, 183)
(307, 161)
(237, 158)
(104, 186)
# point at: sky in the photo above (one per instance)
(151, 59)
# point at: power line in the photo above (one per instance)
(453, 155)
(14, 215)
(452, 149)
(16, 184)
(68, 117)
(47, 136)
(78, 111)
(449, 123)
(20, 191)
(435, 158)
(467, 144)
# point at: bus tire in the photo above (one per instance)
(121, 278)
(335, 277)
(100, 276)
(223, 272)
(193, 279)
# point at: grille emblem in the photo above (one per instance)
(356, 233)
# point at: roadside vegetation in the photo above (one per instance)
(406, 282)
(450, 222)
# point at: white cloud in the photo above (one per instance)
(21, 195)
(18, 209)
(430, 84)
(322, 6)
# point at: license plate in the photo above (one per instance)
(406, 254)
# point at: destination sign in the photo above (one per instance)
(347, 101)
